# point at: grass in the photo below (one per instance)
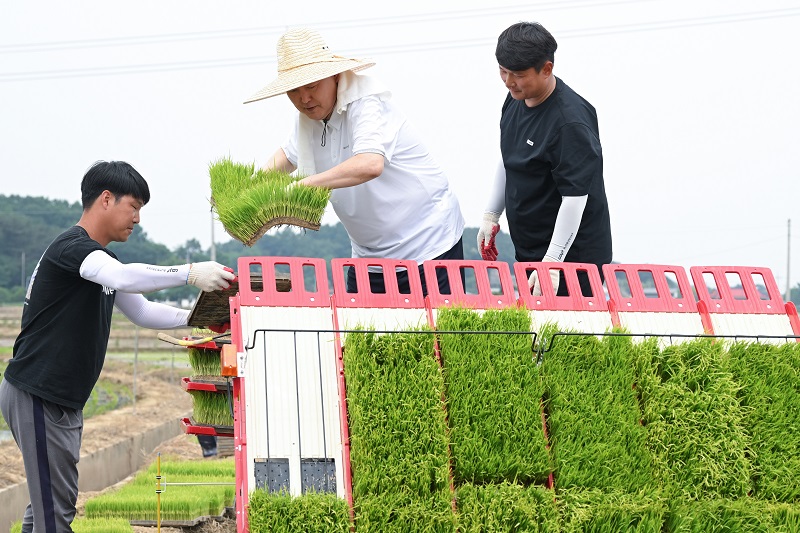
(211, 408)
(137, 500)
(695, 424)
(599, 511)
(204, 362)
(248, 203)
(310, 513)
(398, 435)
(769, 376)
(494, 394)
(505, 507)
(745, 515)
(87, 525)
(596, 437)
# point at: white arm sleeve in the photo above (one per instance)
(147, 314)
(103, 269)
(497, 195)
(567, 223)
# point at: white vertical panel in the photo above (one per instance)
(292, 390)
(753, 325)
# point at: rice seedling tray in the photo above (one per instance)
(178, 523)
(206, 384)
(213, 308)
(190, 427)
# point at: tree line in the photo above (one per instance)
(29, 224)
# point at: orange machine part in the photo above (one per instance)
(228, 360)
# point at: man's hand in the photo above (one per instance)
(533, 279)
(291, 185)
(490, 226)
(210, 276)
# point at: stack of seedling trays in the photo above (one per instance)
(250, 201)
(210, 391)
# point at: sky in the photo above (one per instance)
(697, 105)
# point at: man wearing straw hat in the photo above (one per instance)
(391, 196)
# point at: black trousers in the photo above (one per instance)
(377, 285)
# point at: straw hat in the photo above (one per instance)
(303, 58)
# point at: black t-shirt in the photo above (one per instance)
(66, 320)
(549, 151)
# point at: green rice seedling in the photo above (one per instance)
(398, 512)
(310, 513)
(211, 408)
(137, 500)
(248, 203)
(745, 515)
(597, 511)
(204, 362)
(769, 376)
(596, 436)
(398, 434)
(506, 507)
(695, 424)
(494, 395)
(87, 525)
(182, 503)
(220, 470)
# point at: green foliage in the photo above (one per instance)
(399, 453)
(598, 511)
(506, 507)
(595, 434)
(246, 201)
(211, 408)
(137, 500)
(400, 512)
(89, 525)
(745, 515)
(494, 396)
(769, 376)
(204, 362)
(310, 513)
(695, 425)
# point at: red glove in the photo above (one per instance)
(486, 233)
(489, 251)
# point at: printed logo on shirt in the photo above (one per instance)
(108, 291)
(530, 142)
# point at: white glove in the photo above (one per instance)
(490, 226)
(292, 184)
(209, 276)
(533, 279)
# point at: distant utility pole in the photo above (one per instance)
(213, 247)
(22, 279)
(788, 296)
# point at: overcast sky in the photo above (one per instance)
(697, 104)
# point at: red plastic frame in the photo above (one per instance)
(727, 303)
(298, 296)
(548, 301)
(364, 297)
(485, 299)
(663, 302)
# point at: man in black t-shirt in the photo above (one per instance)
(550, 179)
(66, 319)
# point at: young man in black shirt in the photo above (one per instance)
(66, 320)
(550, 179)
